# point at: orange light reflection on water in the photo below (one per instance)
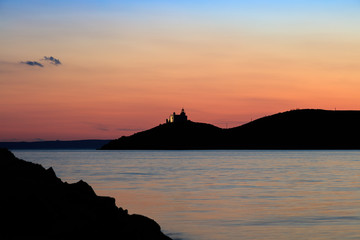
(302, 200)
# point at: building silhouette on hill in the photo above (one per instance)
(177, 117)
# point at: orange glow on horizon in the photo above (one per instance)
(133, 75)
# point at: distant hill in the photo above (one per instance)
(78, 144)
(181, 135)
(296, 129)
(299, 129)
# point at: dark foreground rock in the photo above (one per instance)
(35, 204)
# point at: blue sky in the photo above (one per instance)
(128, 64)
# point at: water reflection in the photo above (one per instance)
(225, 195)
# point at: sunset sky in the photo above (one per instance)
(102, 69)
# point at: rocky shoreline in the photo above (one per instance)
(36, 204)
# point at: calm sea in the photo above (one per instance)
(225, 195)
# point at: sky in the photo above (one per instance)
(93, 69)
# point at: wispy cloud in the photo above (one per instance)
(97, 126)
(32, 63)
(52, 60)
(102, 128)
(129, 129)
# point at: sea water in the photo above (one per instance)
(224, 195)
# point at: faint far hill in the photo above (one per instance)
(78, 144)
(295, 129)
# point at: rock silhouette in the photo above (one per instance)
(35, 204)
(296, 129)
(181, 135)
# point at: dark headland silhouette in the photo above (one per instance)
(295, 129)
(35, 204)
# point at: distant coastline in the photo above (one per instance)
(294, 129)
(76, 144)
